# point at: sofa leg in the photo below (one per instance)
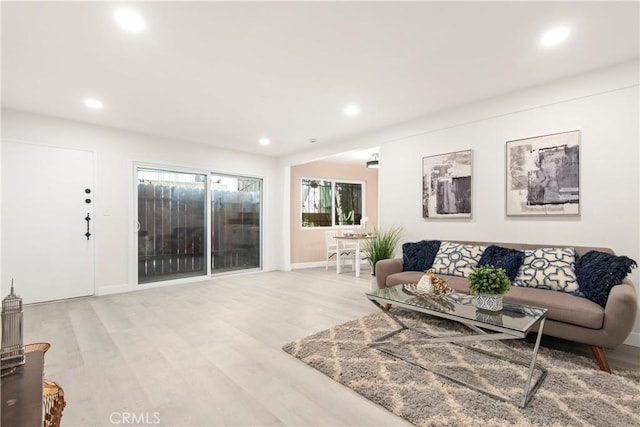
(601, 358)
(387, 307)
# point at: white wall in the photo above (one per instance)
(603, 106)
(116, 151)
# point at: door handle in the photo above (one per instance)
(137, 226)
(88, 219)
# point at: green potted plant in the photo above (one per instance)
(490, 284)
(381, 246)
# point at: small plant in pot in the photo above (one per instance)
(381, 246)
(490, 284)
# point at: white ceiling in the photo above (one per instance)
(226, 74)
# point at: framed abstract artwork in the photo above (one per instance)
(446, 185)
(543, 175)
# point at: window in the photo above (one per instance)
(326, 203)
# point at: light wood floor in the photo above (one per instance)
(209, 353)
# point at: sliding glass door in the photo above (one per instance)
(236, 205)
(171, 225)
(175, 221)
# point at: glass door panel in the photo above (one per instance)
(172, 223)
(235, 223)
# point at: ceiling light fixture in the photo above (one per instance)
(93, 103)
(264, 141)
(351, 110)
(129, 20)
(554, 37)
(373, 162)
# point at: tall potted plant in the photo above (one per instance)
(381, 246)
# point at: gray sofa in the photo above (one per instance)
(569, 317)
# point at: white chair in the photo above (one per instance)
(351, 246)
(333, 246)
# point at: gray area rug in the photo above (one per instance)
(574, 393)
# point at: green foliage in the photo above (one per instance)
(346, 217)
(489, 280)
(381, 246)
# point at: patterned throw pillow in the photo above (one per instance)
(457, 259)
(419, 256)
(549, 268)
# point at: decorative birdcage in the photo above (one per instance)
(12, 349)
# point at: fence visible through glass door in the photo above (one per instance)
(236, 221)
(172, 225)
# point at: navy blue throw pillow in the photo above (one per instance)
(419, 256)
(598, 272)
(508, 259)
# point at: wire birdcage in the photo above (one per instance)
(12, 349)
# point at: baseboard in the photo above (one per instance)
(633, 339)
(112, 289)
(314, 264)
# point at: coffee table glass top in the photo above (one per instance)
(517, 317)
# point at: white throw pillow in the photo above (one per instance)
(548, 268)
(457, 259)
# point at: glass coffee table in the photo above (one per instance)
(514, 321)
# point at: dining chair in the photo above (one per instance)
(332, 246)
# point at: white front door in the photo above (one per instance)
(47, 195)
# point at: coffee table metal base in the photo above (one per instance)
(481, 335)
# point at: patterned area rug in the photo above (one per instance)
(574, 393)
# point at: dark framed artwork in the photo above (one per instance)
(446, 185)
(543, 175)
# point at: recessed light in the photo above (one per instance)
(554, 36)
(264, 141)
(129, 20)
(93, 103)
(352, 110)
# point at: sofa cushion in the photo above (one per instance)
(548, 268)
(598, 272)
(419, 256)
(458, 284)
(506, 258)
(404, 277)
(563, 307)
(457, 259)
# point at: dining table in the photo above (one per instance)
(352, 238)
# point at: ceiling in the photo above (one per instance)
(229, 73)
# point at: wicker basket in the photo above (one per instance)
(37, 346)
(53, 401)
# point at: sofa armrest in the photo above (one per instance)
(386, 267)
(620, 313)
